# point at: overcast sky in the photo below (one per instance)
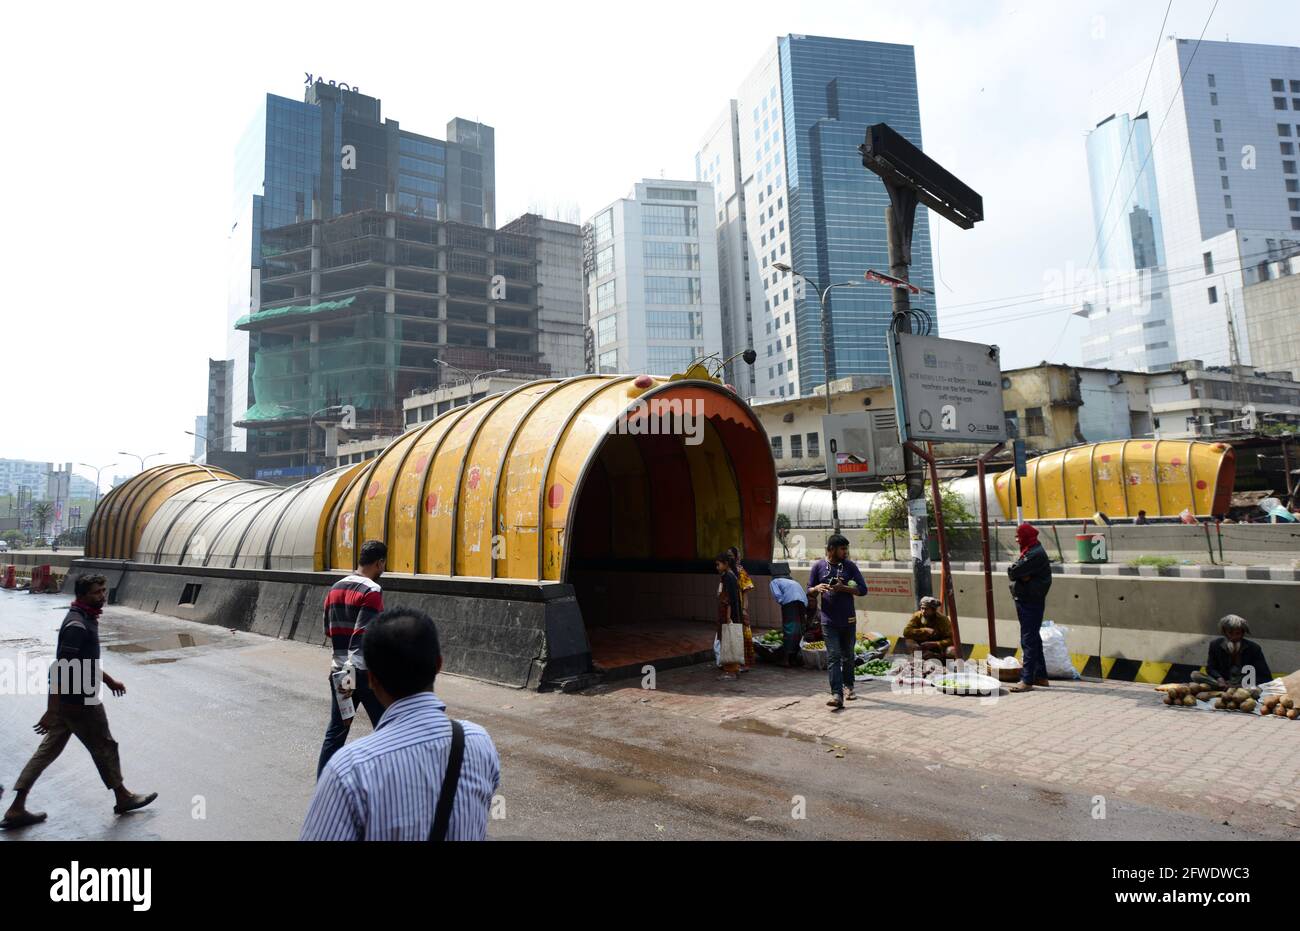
(123, 120)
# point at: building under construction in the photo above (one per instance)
(357, 310)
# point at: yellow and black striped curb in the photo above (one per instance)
(1117, 668)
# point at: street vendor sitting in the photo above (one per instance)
(1232, 655)
(929, 633)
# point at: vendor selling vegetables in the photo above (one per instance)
(929, 633)
(1232, 655)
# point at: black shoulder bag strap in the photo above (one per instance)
(447, 794)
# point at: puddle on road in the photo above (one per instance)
(624, 785)
(162, 643)
(752, 726)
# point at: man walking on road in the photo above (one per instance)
(1031, 578)
(838, 581)
(75, 708)
(352, 603)
(420, 775)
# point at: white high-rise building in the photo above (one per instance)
(652, 279)
(1191, 196)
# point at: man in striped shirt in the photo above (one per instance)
(352, 603)
(409, 780)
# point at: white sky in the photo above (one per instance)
(123, 120)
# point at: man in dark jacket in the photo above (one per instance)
(1031, 578)
(838, 581)
(1232, 655)
(75, 708)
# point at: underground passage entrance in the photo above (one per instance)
(688, 475)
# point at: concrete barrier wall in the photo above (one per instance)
(1148, 620)
(511, 633)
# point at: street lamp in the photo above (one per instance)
(97, 469)
(471, 378)
(831, 465)
(334, 409)
(143, 459)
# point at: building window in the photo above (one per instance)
(1295, 87)
(1208, 259)
(1211, 79)
(660, 289)
(1292, 186)
(776, 446)
(780, 368)
(672, 358)
(1214, 100)
(606, 295)
(605, 262)
(1232, 222)
(684, 256)
(1279, 103)
(603, 227)
(1218, 144)
(1284, 129)
(1227, 201)
(814, 448)
(1224, 181)
(606, 330)
(1288, 148)
(1293, 203)
(663, 220)
(796, 446)
(675, 324)
(669, 193)
(1218, 126)
(1295, 223)
(608, 362)
(1213, 294)
(1288, 167)
(1223, 164)
(1277, 84)
(1034, 425)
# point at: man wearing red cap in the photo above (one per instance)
(1031, 578)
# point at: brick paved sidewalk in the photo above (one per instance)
(1105, 737)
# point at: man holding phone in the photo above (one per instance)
(838, 581)
(352, 603)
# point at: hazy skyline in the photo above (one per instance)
(127, 117)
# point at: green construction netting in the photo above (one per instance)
(294, 380)
(294, 310)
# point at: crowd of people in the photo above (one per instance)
(422, 775)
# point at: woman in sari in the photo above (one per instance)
(746, 585)
(729, 601)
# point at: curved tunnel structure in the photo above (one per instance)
(623, 487)
(1161, 477)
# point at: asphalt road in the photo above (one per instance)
(226, 727)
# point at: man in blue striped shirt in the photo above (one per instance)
(389, 784)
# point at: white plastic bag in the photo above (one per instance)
(732, 648)
(717, 652)
(1056, 654)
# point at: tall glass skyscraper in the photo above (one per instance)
(1192, 191)
(330, 154)
(791, 189)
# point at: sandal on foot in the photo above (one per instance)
(26, 819)
(137, 801)
(835, 702)
(1021, 687)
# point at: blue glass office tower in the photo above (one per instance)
(789, 171)
(332, 154)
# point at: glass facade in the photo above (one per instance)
(830, 90)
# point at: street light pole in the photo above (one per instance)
(143, 459)
(97, 469)
(832, 465)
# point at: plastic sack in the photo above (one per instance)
(1056, 655)
(731, 650)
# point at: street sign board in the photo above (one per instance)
(947, 390)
